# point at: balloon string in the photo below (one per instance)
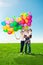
(16, 37)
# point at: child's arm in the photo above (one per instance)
(17, 38)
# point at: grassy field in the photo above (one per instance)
(9, 55)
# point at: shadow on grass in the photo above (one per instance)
(29, 59)
(33, 54)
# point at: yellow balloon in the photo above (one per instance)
(4, 27)
(19, 19)
(24, 14)
(24, 17)
(26, 27)
(11, 29)
(7, 26)
(7, 18)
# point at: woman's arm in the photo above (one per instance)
(16, 37)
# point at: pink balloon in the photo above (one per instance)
(29, 24)
(12, 19)
(7, 22)
(30, 21)
(29, 13)
(25, 24)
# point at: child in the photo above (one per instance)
(27, 41)
(22, 40)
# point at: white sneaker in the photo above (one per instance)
(21, 53)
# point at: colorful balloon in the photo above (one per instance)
(7, 22)
(7, 18)
(3, 23)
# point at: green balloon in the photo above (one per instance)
(26, 14)
(15, 28)
(19, 27)
(5, 30)
(14, 17)
(15, 23)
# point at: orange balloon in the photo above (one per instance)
(13, 32)
(26, 21)
(24, 17)
(10, 29)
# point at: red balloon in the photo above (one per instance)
(23, 22)
(29, 17)
(9, 32)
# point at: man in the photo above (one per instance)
(27, 41)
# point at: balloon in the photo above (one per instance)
(4, 27)
(9, 32)
(3, 23)
(15, 23)
(26, 27)
(11, 24)
(7, 26)
(29, 24)
(15, 28)
(10, 29)
(19, 27)
(19, 19)
(24, 17)
(30, 21)
(29, 13)
(22, 22)
(7, 18)
(26, 21)
(5, 30)
(14, 17)
(25, 24)
(11, 19)
(13, 32)
(7, 22)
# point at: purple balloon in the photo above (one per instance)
(25, 24)
(12, 19)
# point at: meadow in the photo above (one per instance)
(10, 54)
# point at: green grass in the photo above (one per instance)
(9, 55)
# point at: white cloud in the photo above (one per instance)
(7, 3)
(4, 4)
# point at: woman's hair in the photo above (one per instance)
(30, 30)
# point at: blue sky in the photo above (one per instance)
(9, 8)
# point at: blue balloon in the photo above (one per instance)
(3, 23)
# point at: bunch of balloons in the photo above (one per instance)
(25, 19)
(11, 25)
